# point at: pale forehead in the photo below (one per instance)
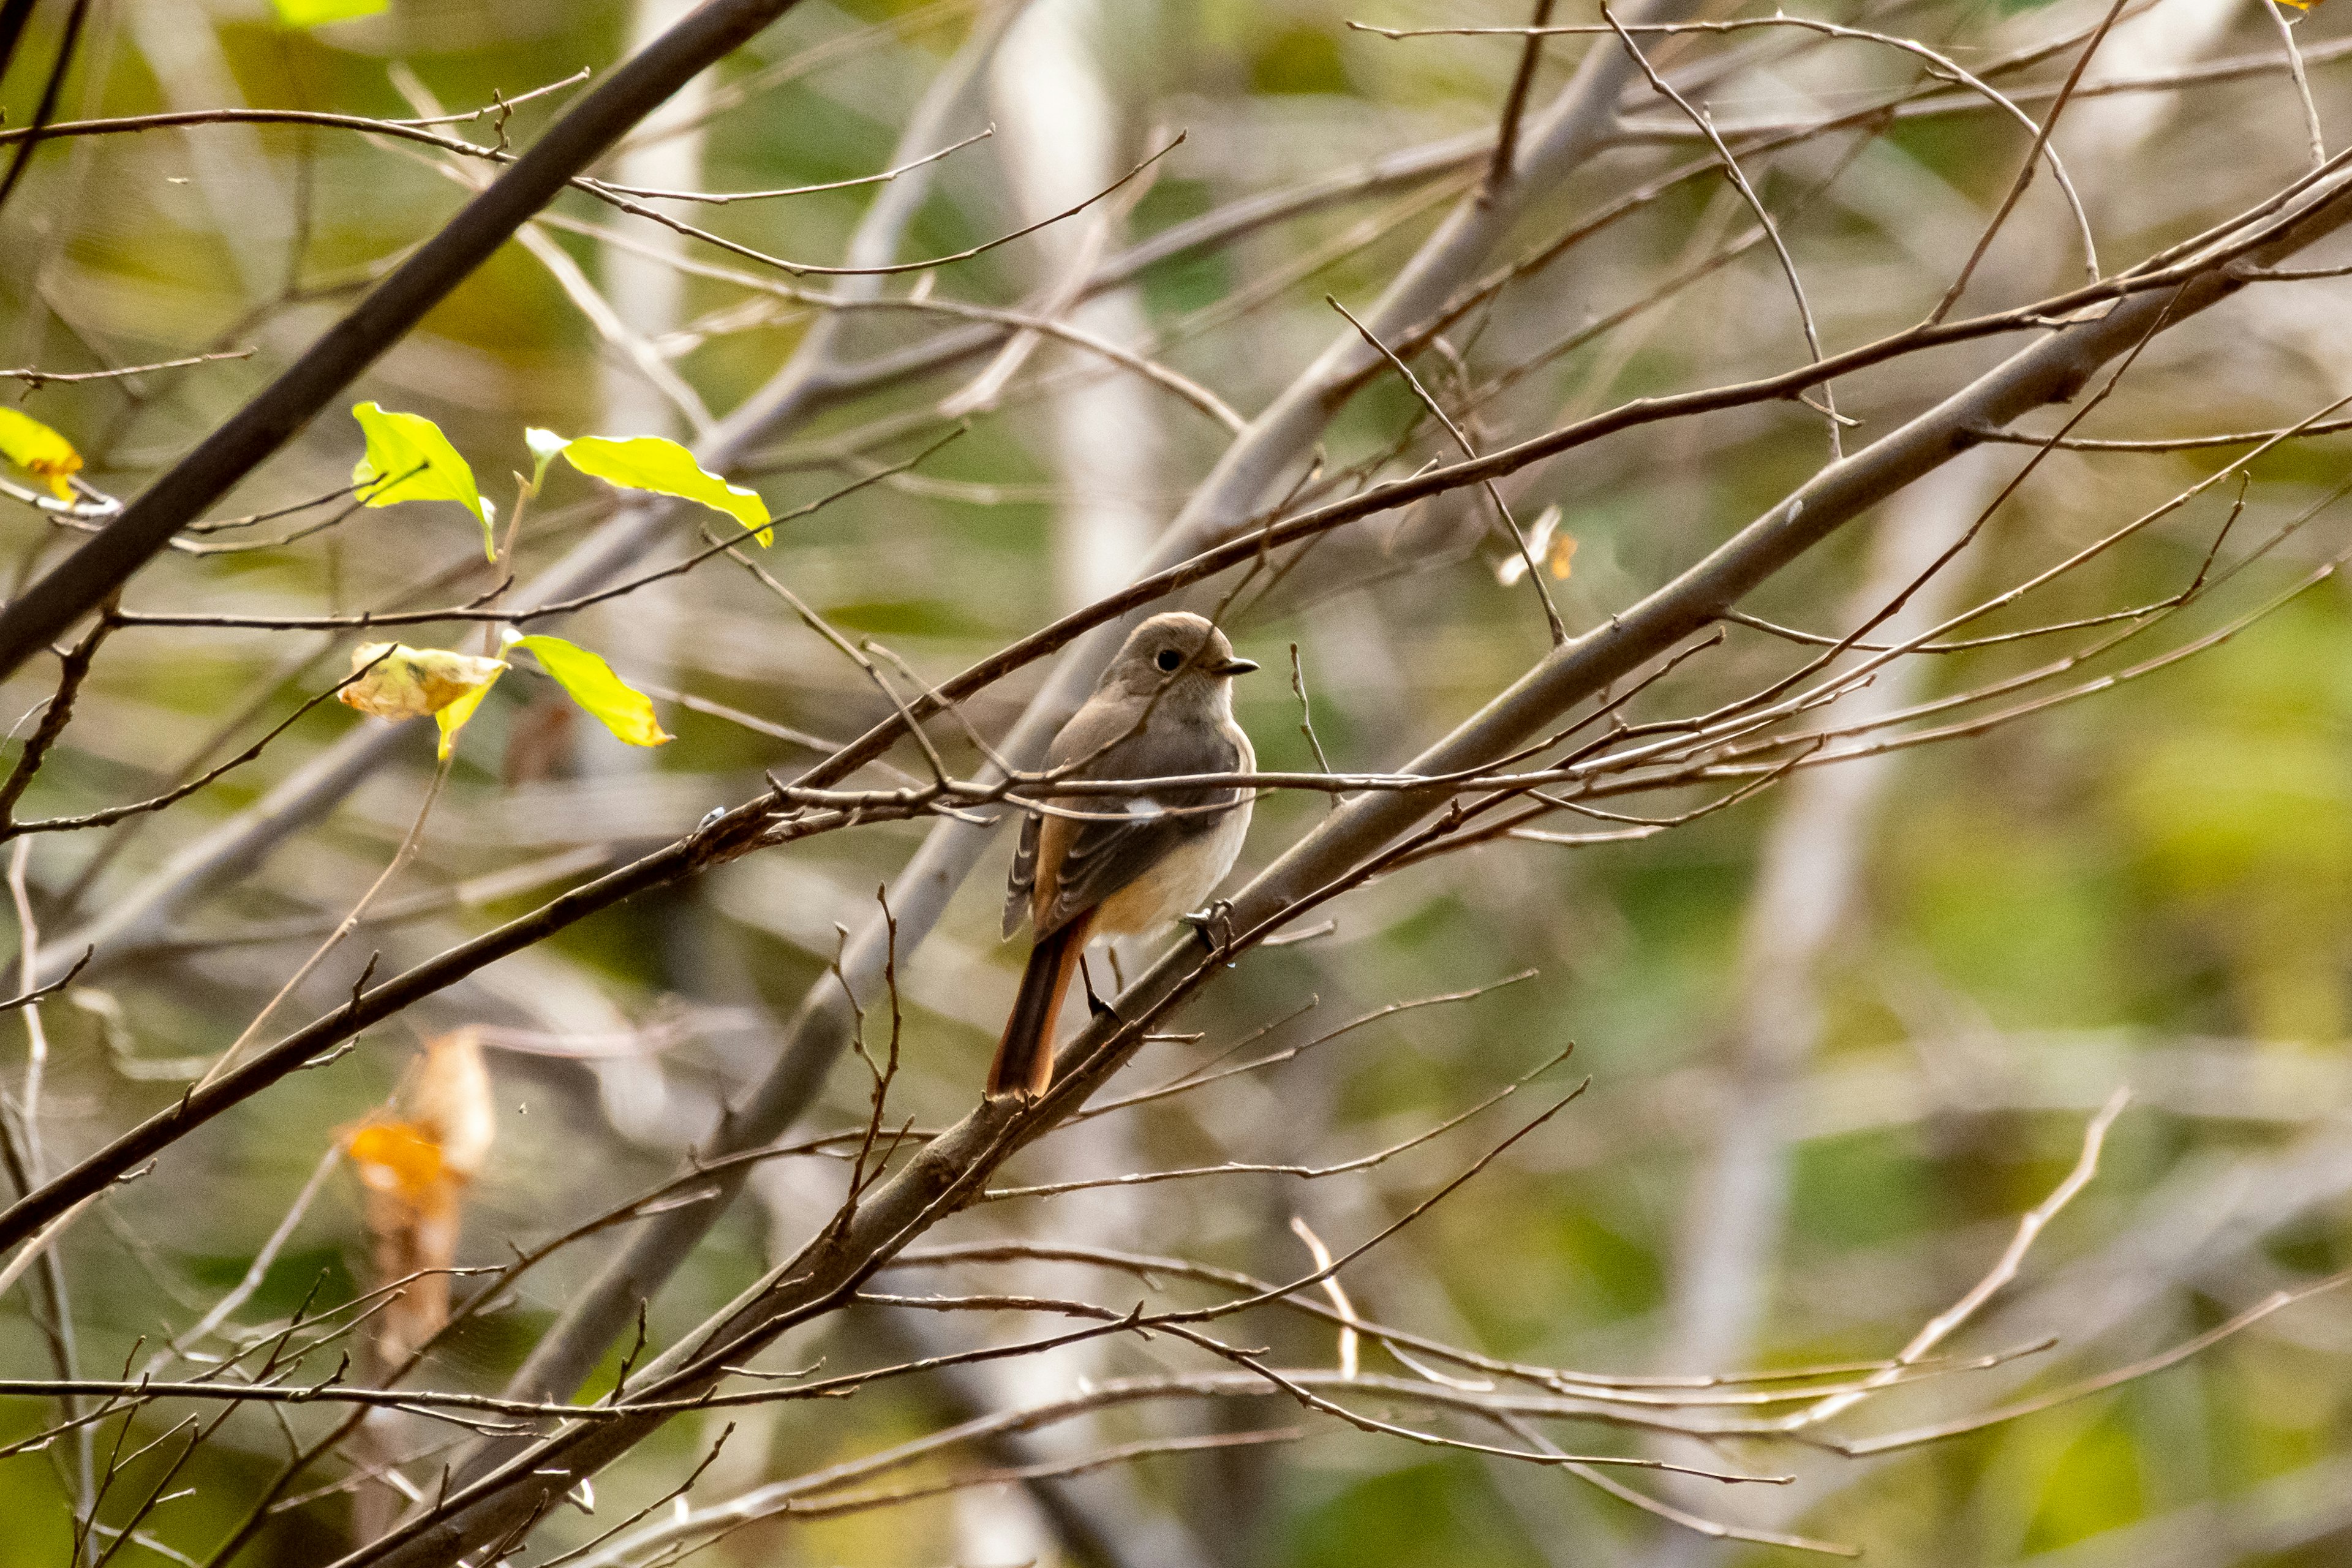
(1179, 628)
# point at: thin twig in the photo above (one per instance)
(811, 269)
(1505, 520)
(2025, 171)
(400, 857)
(2285, 27)
(1515, 103)
(1307, 712)
(2004, 1270)
(726, 198)
(36, 378)
(1731, 171)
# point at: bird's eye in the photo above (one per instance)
(1170, 658)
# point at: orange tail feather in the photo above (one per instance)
(1024, 1057)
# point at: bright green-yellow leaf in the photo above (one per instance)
(617, 705)
(401, 682)
(408, 458)
(650, 463)
(40, 451)
(311, 13)
(544, 444)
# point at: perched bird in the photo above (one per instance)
(1103, 865)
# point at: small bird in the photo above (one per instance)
(1121, 865)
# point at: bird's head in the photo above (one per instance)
(1177, 653)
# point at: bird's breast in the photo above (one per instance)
(1181, 880)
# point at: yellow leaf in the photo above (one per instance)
(314, 13)
(403, 682)
(38, 450)
(617, 705)
(664, 468)
(408, 458)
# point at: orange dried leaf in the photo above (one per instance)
(415, 1169)
(400, 1158)
(1562, 557)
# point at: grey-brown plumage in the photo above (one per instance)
(1117, 866)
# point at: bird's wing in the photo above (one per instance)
(1023, 878)
(1124, 836)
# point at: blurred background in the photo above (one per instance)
(1840, 1036)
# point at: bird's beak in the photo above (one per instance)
(1234, 667)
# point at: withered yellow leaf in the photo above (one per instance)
(403, 682)
(39, 451)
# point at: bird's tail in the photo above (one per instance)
(1024, 1057)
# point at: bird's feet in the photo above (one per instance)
(1214, 926)
(1096, 1005)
